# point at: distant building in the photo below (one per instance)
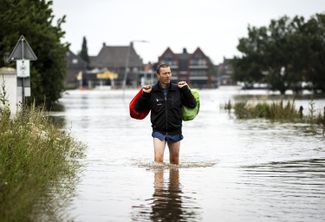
(122, 60)
(195, 68)
(76, 68)
(225, 72)
(148, 75)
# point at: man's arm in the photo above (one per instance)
(187, 98)
(143, 103)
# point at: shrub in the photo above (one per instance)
(38, 162)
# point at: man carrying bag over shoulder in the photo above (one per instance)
(165, 100)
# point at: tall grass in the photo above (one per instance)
(275, 111)
(38, 166)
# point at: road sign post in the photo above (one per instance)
(23, 54)
(22, 67)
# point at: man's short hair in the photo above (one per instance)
(161, 65)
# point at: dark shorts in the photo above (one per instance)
(167, 138)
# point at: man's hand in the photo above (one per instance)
(181, 84)
(147, 88)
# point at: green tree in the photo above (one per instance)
(314, 41)
(249, 67)
(84, 51)
(35, 20)
(284, 54)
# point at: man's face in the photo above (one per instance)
(164, 76)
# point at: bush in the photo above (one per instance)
(38, 162)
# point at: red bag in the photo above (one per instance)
(134, 114)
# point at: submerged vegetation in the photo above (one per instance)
(38, 166)
(276, 111)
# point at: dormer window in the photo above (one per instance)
(74, 61)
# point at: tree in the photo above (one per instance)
(84, 51)
(284, 54)
(249, 67)
(34, 20)
(314, 41)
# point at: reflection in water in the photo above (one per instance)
(53, 205)
(168, 202)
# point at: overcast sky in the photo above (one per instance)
(213, 25)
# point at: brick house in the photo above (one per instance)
(195, 68)
(225, 72)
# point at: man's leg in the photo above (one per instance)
(174, 152)
(159, 147)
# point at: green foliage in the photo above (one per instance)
(38, 163)
(34, 20)
(273, 111)
(227, 106)
(240, 110)
(84, 50)
(276, 111)
(284, 54)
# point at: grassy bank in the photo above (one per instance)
(276, 111)
(38, 166)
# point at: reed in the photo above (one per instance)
(38, 166)
(277, 111)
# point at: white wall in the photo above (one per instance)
(9, 78)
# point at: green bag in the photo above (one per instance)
(191, 113)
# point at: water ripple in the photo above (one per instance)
(154, 165)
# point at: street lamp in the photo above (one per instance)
(127, 60)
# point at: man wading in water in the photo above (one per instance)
(165, 100)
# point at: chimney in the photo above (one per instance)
(184, 51)
(104, 44)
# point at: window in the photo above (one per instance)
(198, 73)
(198, 62)
(202, 62)
(169, 61)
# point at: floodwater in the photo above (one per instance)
(231, 170)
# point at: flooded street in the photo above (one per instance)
(231, 170)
